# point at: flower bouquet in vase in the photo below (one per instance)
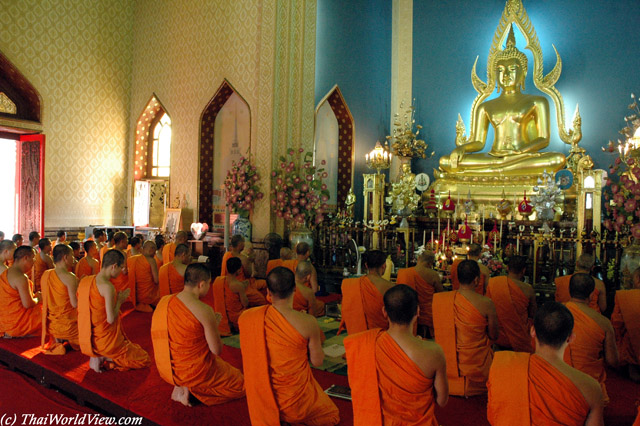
(241, 192)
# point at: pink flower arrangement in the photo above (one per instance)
(241, 186)
(298, 192)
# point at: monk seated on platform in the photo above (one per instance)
(515, 303)
(135, 246)
(465, 323)
(159, 246)
(475, 251)
(285, 254)
(43, 261)
(89, 264)
(411, 372)
(303, 253)
(426, 281)
(256, 298)
(540, 388)
(20, 310)
(121, 281)
(99, 325)
(304, 298)
(362, 297)
(595, 341)
(168, 252)
(626, 323)
(59, 303)
(7, 247)
(171, 275)
(143, 278)
(584, 265)
(187, 345)
(277, 344)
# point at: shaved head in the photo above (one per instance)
(281, 282)
(303, 270)
(182, 237)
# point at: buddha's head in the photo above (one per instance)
(510, 65)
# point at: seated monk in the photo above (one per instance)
(7, 247)
(276, 344)
(515, 303)
(159, 246)
(584, 265)
(187, 345)
(168, 251)
(89, 264)
(121, 281)
(59, 303)
(135, 246)
(595, 341)
(362, 297)
(34, 239)
(171, 275)
(475, 251)
(61, 239)
(43, 262)
(99, 327)
(540, 388)
(256, 298)
(285, 254)
(108, 246)
(303, 252)
(143, 278)
(464, 323)
(626, 323)
(17, 239)
(20, 310)
(75, 246)
(411, 372)
(304, 299)
(100, 238)
(426, 281)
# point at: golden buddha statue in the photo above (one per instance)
(520, 123)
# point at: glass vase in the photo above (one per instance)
(242, 225)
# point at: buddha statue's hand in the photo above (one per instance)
(456, 156)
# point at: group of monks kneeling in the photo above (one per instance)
(395, 377)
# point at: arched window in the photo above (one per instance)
(159, 152)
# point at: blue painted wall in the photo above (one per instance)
(598, 42)
(353, 50)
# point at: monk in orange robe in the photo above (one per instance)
(276, 344)
(285, 254)
(475, 251)
(515, 303)
(171, 275)
(187, 345)
(121, 281)
(7, 247)
(426, 281)
(43, 262)
(256, 289)
(303, 253)
(89, 264)
(595, 341)
(100, 238)
(143, 278)
(20, 310)
(362, 297)
(159, 246)
(411, 372)
(541, 389)
(61, 239)
(99, 325)
(169, 249)
(304, 299)
(465, 322)
(59, 303)
(108, 246)
(626, 323)
(584, 265)
(17, 239)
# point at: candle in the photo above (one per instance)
(439, 234)
(431, 240)
(518, 244)
(501, 231)
(495, 243)
(226, 227)
(471, 238)
(424, 237)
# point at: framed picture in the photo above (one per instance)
(171, 223)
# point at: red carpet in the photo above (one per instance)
(144, 393)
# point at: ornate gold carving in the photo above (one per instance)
(7, 105)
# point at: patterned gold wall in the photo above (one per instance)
(77, 54)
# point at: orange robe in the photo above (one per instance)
(143, 289)
(461, 330)
(361, 306)
(183, 356)
(272, 264)
(455, 283)
(278, 379)
(103, 250)
(291, 264)
(526, 389)
(563, 296)
(59, 318)
(170, 280)
(39, 266)
(586, 351)
(227, 303)
(168, 252)
(83, 268)
(98, 338)
(121, 282)
(399, 394)
(159, 260)
(15, 320)
(302, 304)
(412, 278)
(512, 307)
(626, 323)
